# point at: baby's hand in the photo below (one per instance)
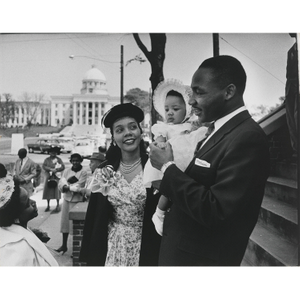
(161, 145)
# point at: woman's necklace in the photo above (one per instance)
(127, 169)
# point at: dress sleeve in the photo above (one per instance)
(46, 166)
(160, 129)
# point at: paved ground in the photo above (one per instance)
(46, 221)
(50, 223)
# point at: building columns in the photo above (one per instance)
(99, 113)
(80, 113)
(86, 113)
(93, 114)
(74, 113)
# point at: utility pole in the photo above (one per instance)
(122, 74)
(216, 44)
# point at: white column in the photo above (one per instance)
(93, 114)
(87, 113)
(19, 115)
(80, 113)
(74, 113)
(99, 113)
(53, 123)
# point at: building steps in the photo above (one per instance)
(274, 240)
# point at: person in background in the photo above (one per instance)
(118, 230)
(215, 203)
(19, 246)
(53, 166)
(25, 171)
(70, 184)
(37, 178)
(95, 160)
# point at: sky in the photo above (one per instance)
(40, 63)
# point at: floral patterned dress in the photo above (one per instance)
(125, 231)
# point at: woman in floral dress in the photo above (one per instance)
(118, 229)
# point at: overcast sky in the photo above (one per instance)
(40, 63)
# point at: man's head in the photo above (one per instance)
(95, 160)
(22, 153)
(218, 86)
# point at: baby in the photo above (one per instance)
(170, 100)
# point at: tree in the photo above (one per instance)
(156, 58)
(139, 98)
(32, 103)
(7, 109)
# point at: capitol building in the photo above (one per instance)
(86, 108)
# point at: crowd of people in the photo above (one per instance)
(193, 199)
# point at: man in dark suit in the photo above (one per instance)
(216, 201)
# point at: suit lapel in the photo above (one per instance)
(223, 131)
(25, 165)
(220, 134)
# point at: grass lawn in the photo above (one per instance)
(29, 132)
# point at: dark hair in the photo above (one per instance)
(76, 155)
(12, 210)
(3, 171)
(227, 70)
(22, 152)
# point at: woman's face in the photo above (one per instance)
(28, 207)
(127, 134)
(75, 161)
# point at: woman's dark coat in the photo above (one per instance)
(94, 241)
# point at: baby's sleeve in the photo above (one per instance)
(159, 129)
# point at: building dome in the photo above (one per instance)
(94, 82)
(94, 74)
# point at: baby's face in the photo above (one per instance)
(174, 109)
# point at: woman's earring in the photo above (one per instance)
(114, 143)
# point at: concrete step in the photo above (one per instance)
(286, 169)
(280, 217)
(282, 189)
(266, 248)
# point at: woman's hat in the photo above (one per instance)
(120, 111)
(96, 156)
(7, 186)
(163, 88)
(54, 149)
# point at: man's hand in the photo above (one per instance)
(158, 156)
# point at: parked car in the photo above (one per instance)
(68, 144)
(83, 147)
(43, 145)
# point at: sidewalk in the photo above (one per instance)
(50, 223)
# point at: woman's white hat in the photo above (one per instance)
(162, 90)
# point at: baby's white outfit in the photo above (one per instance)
(183, 142)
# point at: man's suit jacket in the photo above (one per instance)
(27, 173)
(216, 201)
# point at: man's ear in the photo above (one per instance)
(230, 91)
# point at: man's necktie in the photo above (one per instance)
(210, 129)
(21, 164)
